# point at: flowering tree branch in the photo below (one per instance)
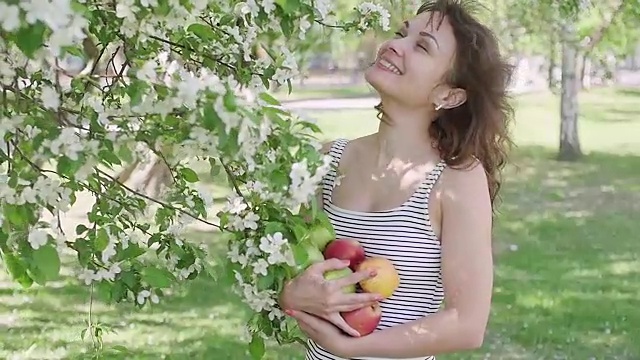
(162, 77)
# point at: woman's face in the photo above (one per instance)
(412, 65)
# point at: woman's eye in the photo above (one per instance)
(423, 47)
(398, 34)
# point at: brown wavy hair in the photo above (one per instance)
(479, 128)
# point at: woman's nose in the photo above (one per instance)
(397, 47)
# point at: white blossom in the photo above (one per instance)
(87, 276)
(235, 204)
(366, 8)
(260, 267)
(9, 17)
(107, 274)
(37, 238)
(143, 295)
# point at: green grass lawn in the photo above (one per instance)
(567, 260)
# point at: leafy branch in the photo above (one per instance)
(114, 181)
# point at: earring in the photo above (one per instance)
(438, 107)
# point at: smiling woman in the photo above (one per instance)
(418, 192)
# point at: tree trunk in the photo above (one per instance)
(585, 71)
(148, 177)
(569, 140)
(551, 81)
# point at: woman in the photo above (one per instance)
(420, 192)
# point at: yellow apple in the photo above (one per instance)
(386, 280)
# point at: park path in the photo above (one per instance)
(364, 102)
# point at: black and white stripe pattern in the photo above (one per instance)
(402, 235)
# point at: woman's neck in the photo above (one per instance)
(404, 134)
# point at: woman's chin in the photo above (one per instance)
(378, 81)
(376, 77)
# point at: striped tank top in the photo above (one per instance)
(402, 235)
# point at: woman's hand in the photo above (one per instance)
(323, 333)
(311, 293)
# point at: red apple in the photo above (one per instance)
(364, 320)
(345, 249)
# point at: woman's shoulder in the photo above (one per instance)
(468, 178)
(353, 144)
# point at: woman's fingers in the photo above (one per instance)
(351, 307)
(353, 279)
(330, 264)
(305, 322)
(355, 299)
(338, 321)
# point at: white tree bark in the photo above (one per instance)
(569, 110)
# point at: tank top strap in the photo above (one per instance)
(332, 178)
(432, 178)
(336, 151)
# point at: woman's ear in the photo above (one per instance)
(452, 98)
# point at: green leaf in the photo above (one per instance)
(101, 240)
(265, 282)
(136, 90)
(163, 8)
(17, 270)
(103, 291)
(289, 6)
(300, 231)
(17, 215)
(229, 272)
(269, 99)
(229, 141)
(3, 240)
(309, 125)
(109, 157)
(189, 175)
(157, 278)
(256, 347)
(215, 167)
(125, 154)
(84, 251)
(265, 325)
(30, 38)
(300, 253)
(128, 278)
(315, 207)
(202, 31)
(268, 73)
(120, 348)
(45, 263)
(210, 119)
(229, 101)
(131, 252)
(273, 227)
(286, 24)
(118, 292)
(186, 260)
(81, 229)
(67, 166)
